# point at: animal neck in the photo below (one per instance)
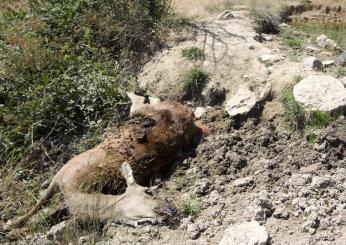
(93, 206)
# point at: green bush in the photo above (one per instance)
(295, 114)
(190, 206)
(63, 63)
(193, 81)
(266, 20)
(319, 119)
(193, 53)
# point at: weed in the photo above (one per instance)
(294, 57)
(266, 21)
(319, 119)
(306, 2)
(294, 112)
(193, 53)
(190, 206)
(341, 71)
(193, 81)
(291, 40)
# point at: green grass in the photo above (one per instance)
(295, 113)
(190, 206)
(319, 119)
(300, 119)
(193, 53)
(291, 40)
(193, 81)
(336, 32)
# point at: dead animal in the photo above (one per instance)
(92, 181)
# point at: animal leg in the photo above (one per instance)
(22, 219)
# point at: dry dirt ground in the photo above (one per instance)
(254, 170)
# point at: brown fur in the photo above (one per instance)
(149, 142)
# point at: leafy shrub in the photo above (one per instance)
(193, 81)
(190, 206)
(266, 20)
(193, 53)
(294, 112)
(63, 65)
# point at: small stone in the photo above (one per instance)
(199, 112)
(342, 57)
(320, 147)
(327, 63)
(298, 180)
(313, 62)
(321, 182)
(311, 48)
(249, 233)
(193, 231)
(251, 47)
(324, 42)
(243, 181)
(225, 15)
(267, 37)
(311, 224)
(202, 186)
(281, 213)
(272, 57)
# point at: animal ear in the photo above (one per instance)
(126, 172)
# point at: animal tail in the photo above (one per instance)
(17, 222)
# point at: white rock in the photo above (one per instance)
(327, 63)
(249, 233)
(243, 181)
(320, 92)
(272, 57)
(267, 37)
(313, 62)
(244, 100)
(324, 42)
(193, 231)
(199, 112)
